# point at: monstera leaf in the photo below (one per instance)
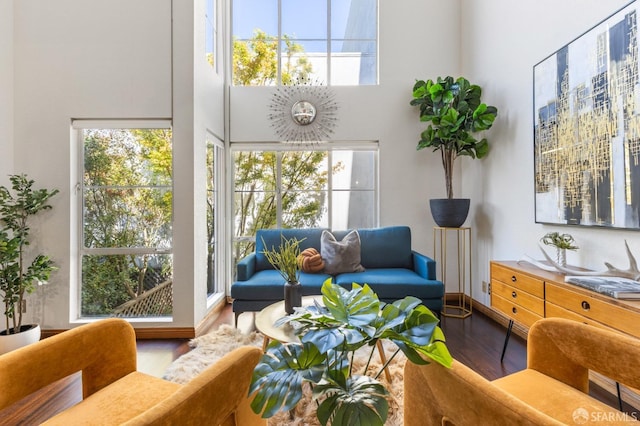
(277, 379)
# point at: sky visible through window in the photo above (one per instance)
(338, 38)
(300, 19)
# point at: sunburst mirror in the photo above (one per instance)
(304, 112)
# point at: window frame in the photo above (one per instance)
(363, 146)
(329, 41)
(78, 126)
(219, 191)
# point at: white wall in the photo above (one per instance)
(80, 59)
(6, 90)
(382, 113)
(501, 44)
(198, 109)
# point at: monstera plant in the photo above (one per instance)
(329, 334)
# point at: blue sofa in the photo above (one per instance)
(392, 269)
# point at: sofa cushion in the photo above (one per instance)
(534, 388)
(394, 283)
(122, 400)
(269, 285)
(272, 238)
(340, 255)
(387, 247)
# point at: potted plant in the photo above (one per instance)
(18, 276)
(455, 115)
(285, 260)
(329, 334)
(562, 243)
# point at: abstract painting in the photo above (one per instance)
(587, 128)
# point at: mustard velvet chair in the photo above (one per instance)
(115, 393)
(552, 390)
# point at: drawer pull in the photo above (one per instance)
(585, 305)
(513, 278)
(514, 294)
(514, 310)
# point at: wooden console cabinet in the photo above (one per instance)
(525, 293)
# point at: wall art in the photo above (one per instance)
(587, 128)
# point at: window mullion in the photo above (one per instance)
(279, 189)
(279, 46)
(330, 189)
(329, 37)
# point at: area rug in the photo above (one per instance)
(209, 348)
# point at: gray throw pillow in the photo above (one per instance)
(341, 256)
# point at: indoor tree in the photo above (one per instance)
(18, 276)
(455, 115)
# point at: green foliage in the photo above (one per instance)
(128, 202)
(455, 113)
(285, 258)
(558, 240)
(330, 334)
(17, 276)
(255, 62)
(303, 183)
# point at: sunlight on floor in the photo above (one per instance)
(155, 359)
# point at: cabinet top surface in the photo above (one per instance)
(557, 278)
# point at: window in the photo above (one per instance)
(211, 33)
(284, 187)
(215, 215)
(334, 42)
(126, 202)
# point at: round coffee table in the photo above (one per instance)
(266, 318)
(265, 324)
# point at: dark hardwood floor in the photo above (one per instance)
(475, 341)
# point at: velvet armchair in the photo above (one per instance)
(115, 393)
(552, 390)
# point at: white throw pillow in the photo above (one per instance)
(341, 256)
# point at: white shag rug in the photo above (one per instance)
(209, 348)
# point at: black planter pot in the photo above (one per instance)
(449, 213)
(292, 297)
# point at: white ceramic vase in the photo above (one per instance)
(561, 256)
(10, 342)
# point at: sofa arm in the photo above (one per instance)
(246, 267)
(218, 395)
(424, 265)
(436, 395)
(104, 351)
(566, 350)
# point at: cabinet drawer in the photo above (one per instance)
(555, 311)
(518, 280)
(513, 311)
(518, 297)
(612, 315)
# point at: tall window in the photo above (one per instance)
(288, 188)
(211, 33)
(215, 216)
(126, 209)
(334, 42)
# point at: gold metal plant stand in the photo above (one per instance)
(458, 307)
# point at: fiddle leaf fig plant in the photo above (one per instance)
(455, 115)
(330, 333)
(18, 276)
